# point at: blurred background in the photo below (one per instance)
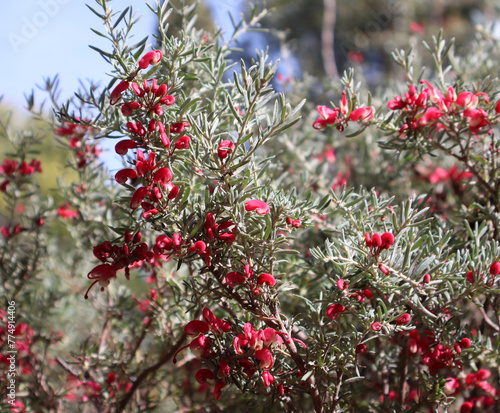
(40, 39)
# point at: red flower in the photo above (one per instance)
(138, 196)
(470, 277)
(361, 349)
(342, 284)
(102, 274)
(162, 175)
(465, 343)
(218, 389)
(266, 279)
(182, 142)
(376, 326)
(203, 375)
(122, 175)
(495, 268)
(116, 94)
(333, 311)
(198, 247)
(122, 147)
(234, 278)
(404, 319)
(258, 206)
(129, 107)
(150, 58)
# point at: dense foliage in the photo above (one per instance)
(256, 251)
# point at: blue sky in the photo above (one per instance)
(42, 38)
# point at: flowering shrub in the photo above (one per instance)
(234, 261)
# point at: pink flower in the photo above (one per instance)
(361, 114)
(268, 378)
(258, 206)
(467, 100)
(225, 148)
(430, 117)
(266, 358)
(327, 117)
(376, 326)
(435, 95)
(397, 103)
(150, 58)
(417, 28)
(65, 212)
(477, 118)
(240, 341)
(168, 100)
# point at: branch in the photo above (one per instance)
(166, 356)
(327, 39)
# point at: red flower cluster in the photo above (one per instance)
(474, 384)
(341, 115)
(23, 342)
(377, 243)
(78, 134)
(235, 278)
(157, 180)
(12, 170)
(431, 108)
(435, 355)
(201, 346)
(116, 258)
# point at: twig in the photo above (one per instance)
(166, 356)
(327, 39)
